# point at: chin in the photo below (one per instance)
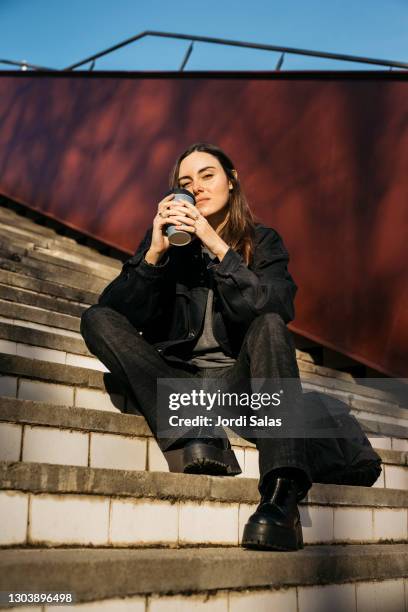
(208, 210)
(204, 210)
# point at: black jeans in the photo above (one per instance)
(268, 351)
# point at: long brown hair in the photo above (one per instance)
(239, 226)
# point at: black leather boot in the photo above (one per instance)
(212, 456)
(276, 523)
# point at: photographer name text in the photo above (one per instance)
(241, 421)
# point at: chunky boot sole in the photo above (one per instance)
(261, 536)
(203, 459)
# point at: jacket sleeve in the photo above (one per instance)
(136, 292)
(268, 287)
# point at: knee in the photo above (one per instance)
(269, 331)
(270, 322)
(92, 320)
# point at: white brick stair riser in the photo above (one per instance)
(53, 356)
(60, 394)
(96, 520)
(63, 446)
(363, 596)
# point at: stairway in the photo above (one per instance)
(87, 504)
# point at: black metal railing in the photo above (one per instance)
(23, 65)
(390, 64)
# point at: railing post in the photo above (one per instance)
(187, 55)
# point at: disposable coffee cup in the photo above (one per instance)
(177, 236)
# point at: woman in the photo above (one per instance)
(216, 308)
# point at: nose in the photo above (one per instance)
(196, 186)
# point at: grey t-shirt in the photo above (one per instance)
(206, 352)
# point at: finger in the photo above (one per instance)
(183, 220)
(172, 204)
(166, 200)
(173, 218)
(195, 213)
(178, 211)
(190, 206)
(177, 205)
(187, 228)
(162, 220)
(187, 211)
(164, 209)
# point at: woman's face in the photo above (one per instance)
(202, 174)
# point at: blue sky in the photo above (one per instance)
(57, 33)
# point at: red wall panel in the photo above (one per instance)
(323, 160)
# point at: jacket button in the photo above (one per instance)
(140, 333)
(192, 334)
(159, 350)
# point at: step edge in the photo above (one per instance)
(167, 571)
(44, 478)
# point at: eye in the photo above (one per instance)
(208, 175)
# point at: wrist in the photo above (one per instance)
(221, 251)
(153, 257)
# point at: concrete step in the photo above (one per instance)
(47, 288)
(12, 218)
(57, 505)
(40, 340)
(58, 262)
(30, 325)
(47, 302)
(34, 431)
(22, 264)
(35, 314)
(56, 254)
(13, 221)
(315, 579)
(48, 354)
(49, 364)
(15, 241)
(18, 232)
(48, 382)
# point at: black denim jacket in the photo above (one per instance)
(167, 302)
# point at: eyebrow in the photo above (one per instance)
(202, 170)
